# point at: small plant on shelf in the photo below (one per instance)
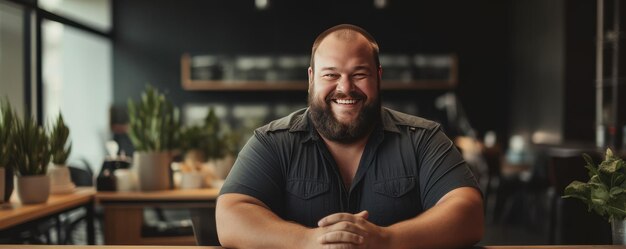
(154, 122)
(59, 134)
(31, 150)
(154, 131)
(204, 141)
(7, 121)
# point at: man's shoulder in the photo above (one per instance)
(294, 121)
(396, 118)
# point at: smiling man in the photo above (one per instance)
(346, 172)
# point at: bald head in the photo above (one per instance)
(349, 33)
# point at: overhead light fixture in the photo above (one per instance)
(380, 4)
(261, 4)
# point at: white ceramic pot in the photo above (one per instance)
(33, 189)
(191, 180)
(60, 179)
(2, 173)
(153, 170)
(619, 231)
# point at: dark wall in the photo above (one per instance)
(580, 69)
(151, 35)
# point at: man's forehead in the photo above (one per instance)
(329, 45)
(346, 37)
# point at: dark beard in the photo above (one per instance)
(330, 128)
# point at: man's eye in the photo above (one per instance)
(360, 75)
(330, 76)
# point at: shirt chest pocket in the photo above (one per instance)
(396, 199)
(307, 201)
(306, 189)
(395, 187)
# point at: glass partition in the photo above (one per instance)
(77, 80)
(12, 55)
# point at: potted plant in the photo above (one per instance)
(60, 180)
(203, 146)
(154, 128)
(232, 145)
(203, 142)
(31, 155)
(605, 192)
(7, 120)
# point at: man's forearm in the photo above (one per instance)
(245, 223)
(456, 221)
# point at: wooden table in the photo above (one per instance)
(123, 213)
(16, 217)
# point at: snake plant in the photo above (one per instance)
(58, 139)
(31, 150)
(7, 121)
(154, 122)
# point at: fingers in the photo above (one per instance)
(341, 246)
(340, 237)
(348, 227)
(343, 230)
(339, 217)
(363, 214)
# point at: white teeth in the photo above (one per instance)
(346, 101)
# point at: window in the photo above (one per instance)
(77, 82)
(12, 55)
(55, 56)
(93, 13)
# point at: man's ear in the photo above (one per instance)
(380, 73)
(310, 71)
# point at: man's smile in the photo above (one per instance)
(346, 101)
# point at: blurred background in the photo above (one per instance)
(514, 83)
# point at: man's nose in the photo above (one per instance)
(344, 84)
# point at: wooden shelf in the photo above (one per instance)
(260, 85)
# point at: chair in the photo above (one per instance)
(493, 158)
(204, 229)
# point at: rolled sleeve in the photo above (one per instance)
(257, 173)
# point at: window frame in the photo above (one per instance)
(32, 54)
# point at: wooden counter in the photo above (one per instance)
(123, 213)
(205, 194)
(15, 214)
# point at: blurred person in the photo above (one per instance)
(346, 172)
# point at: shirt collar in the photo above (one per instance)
(389, 124)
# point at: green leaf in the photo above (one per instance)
(609, 167)
(154, 122)
(590, 165)
(31, 148)
(616, 191)
(619, 179)
(58, 141)
(605, 191)
(7, 125)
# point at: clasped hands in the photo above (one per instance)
(345, 230)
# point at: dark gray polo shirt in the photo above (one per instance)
(407, 166)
